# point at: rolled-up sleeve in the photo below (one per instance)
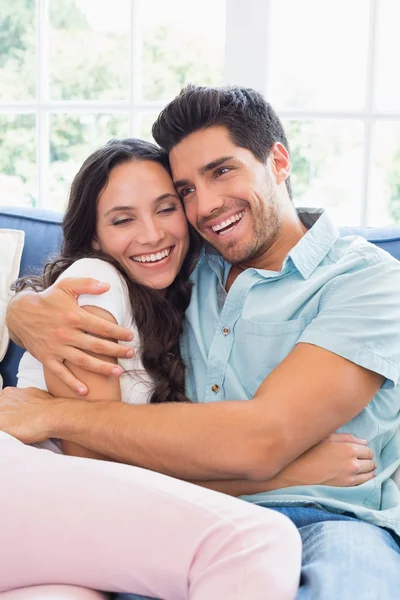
(359, 317)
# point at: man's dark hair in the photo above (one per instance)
(251, 121)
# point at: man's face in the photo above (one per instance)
(230, 197)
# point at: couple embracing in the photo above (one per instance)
(253, 406)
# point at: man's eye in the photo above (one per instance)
(221, 171)
(186, 191)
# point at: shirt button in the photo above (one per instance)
(215, 388)
(226, 330)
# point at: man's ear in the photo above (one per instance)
(95, 244)
(280, 162)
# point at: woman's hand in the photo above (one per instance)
(52, 327)
(341, 460)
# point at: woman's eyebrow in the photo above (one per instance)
(165, 196)
(118, 208)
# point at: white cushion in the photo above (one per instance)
(11, 245)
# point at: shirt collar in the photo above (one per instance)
(306, 255)
(313, 247)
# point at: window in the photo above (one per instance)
(75, 73)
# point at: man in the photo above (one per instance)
(299, 324)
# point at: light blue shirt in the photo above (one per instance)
(342, 294)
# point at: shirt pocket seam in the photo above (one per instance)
(254, 330)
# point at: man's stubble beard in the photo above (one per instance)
(266, 224)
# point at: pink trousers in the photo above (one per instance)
(106, 526)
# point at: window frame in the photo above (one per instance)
(247, 57)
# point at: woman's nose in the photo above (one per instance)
(151, 233)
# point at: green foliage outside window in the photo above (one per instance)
(88, 64)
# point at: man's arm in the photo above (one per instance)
(99, 387)
(53, 328)
(341, 460)
(309, 395)
(224, 440)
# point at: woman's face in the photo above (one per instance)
(141, 223)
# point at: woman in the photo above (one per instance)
(125, 225)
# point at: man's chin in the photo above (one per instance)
(235, 252)
(233, 255)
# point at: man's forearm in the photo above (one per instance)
(245, 487)
(190, 441)
(12, 317)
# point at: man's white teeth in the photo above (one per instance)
(152, 257)
(229, 221)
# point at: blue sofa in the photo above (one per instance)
(43, 238)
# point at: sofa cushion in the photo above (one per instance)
(42, 234)
(42, 240)
(11, 242)
(387, 238)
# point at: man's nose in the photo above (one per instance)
(208, 201)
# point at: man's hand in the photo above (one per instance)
(25, 413)
(341, 460)
(52, 327)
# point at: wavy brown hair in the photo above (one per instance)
(159, 318)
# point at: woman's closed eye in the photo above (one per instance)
(167, 210)
(122, 221)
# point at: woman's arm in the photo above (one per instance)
(341, 460)
(100, 387)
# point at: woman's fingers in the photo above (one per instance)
(366, 466)
(346, 437)
(363, 478)
(363, 452)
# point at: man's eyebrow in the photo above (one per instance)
(213, 164)
(181, 182)
(204, 169)
(131, 207)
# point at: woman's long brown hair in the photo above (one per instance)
(159, 319)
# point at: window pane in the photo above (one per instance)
(318, 53)
(180, 44)
(17, 50)
(327, 166)
(18, 160)
(146, 123)
(72, 139)
(89, 49)
(388, 78)
(385, 175)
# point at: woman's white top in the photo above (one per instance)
(136, 384)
